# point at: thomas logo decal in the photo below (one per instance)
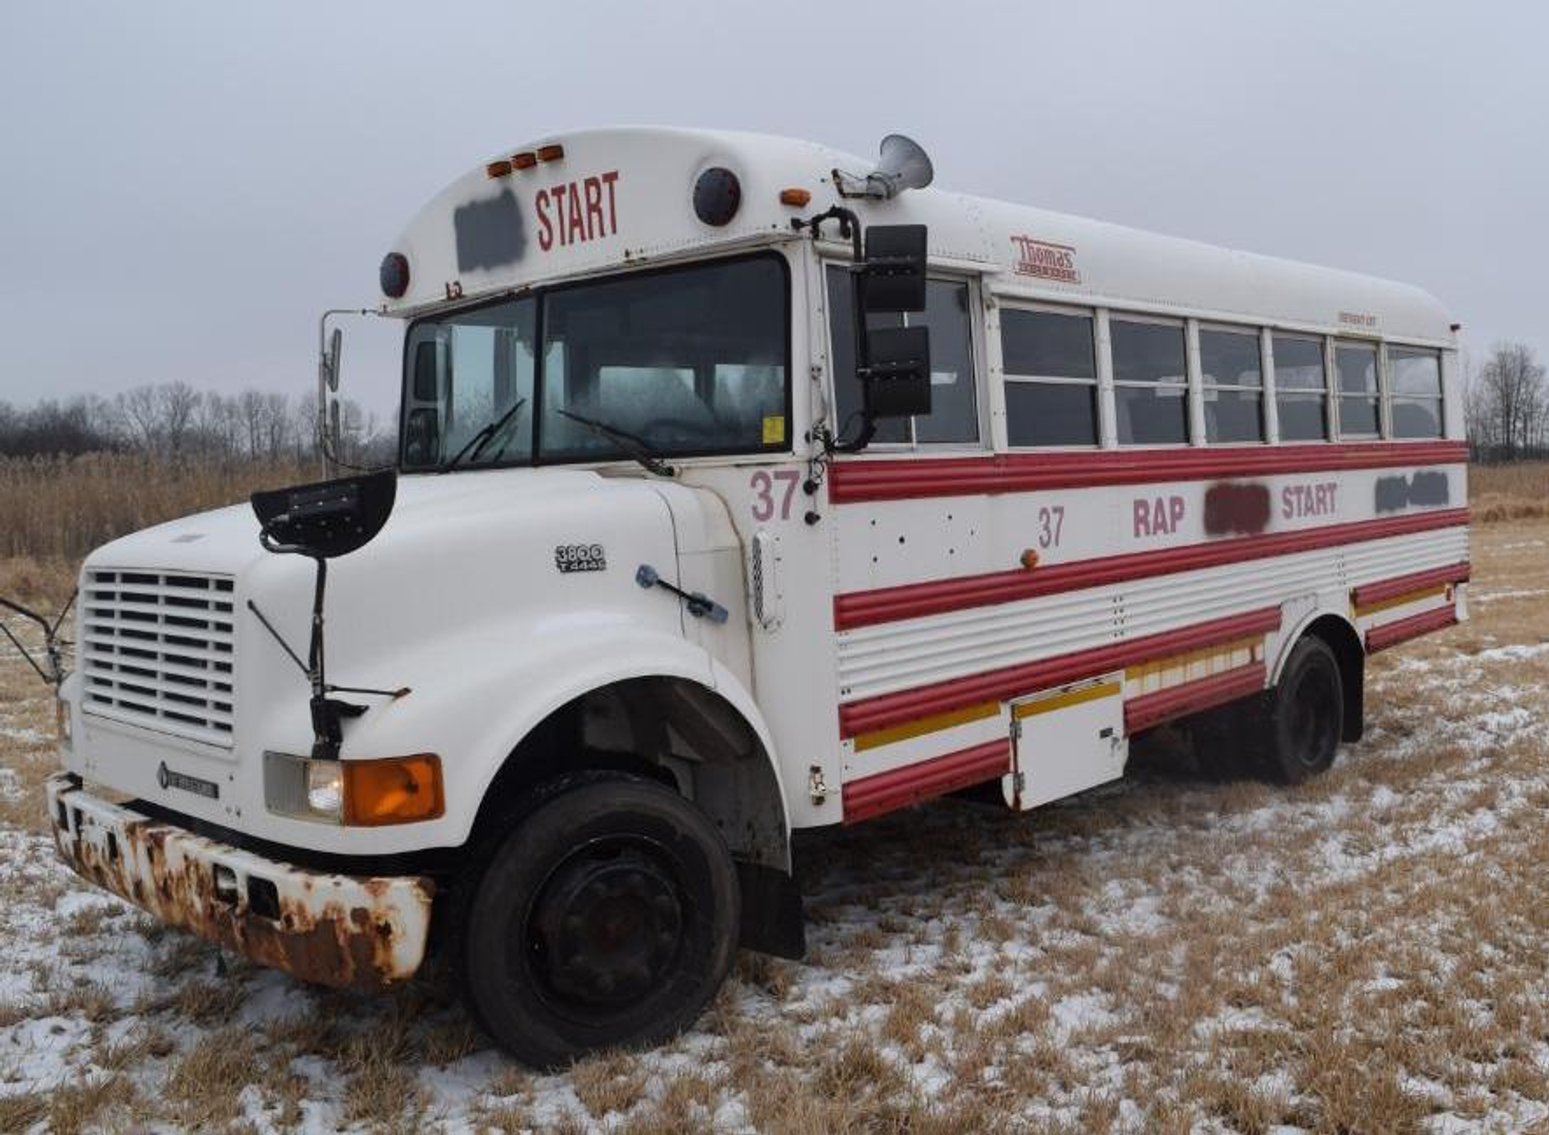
(1045, 260)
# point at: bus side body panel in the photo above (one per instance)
(1040, 578)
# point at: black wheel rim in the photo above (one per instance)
(1313, 725)
(606, 930)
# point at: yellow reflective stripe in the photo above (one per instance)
(1435, 592)
(1205, 654)
(922, 725)
(1069, 698)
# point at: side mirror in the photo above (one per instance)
(897, 372)
(893, 272)
(331, 359)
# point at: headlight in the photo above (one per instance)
(394, 790)
(303, 788)
(325, 788)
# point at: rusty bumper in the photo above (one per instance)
(354, 933)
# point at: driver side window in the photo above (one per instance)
(954, 416)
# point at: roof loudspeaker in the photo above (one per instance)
(903, 165)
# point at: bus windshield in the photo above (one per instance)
(676, 363)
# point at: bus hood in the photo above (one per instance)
(224, 541)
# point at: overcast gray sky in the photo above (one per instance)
(188, 184)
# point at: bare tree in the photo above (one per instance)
(139, 417)
(303, 415)
(277, 427)
(176, 403)
(176, 420)
(250, 413)
(1513, 404)
(218, 423)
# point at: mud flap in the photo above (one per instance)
(773, 921)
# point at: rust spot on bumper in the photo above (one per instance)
(362, 934)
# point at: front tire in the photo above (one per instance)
(608, 918)
(1305, 715)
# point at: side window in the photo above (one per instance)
(954, 415)
(1150, 382)
(1051, 377)
(1414, 386)
(1357, 367)
(1232, 368)
(1301, 388)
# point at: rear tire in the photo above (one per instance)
(607, 918)
(1304, 715)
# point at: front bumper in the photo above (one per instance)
(363, 934)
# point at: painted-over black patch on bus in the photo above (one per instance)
(1399, 492)
(1236, 508)
(489, 233)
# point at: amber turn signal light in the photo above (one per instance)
(797, 197)
(1029, 558)
(396, 790)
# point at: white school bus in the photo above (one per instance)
(684, 553)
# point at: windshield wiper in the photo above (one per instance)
(632, 444)
(478, 441)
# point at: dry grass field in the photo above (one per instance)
(56, 509)
(1369, 952)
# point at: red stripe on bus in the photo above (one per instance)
(916, 600)
(1369, 593)
(1009, 682)
(910, 478)
(1178, 701)
(897, 788)
(1391, 634)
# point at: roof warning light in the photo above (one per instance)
(394, 275)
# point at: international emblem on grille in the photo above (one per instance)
(167, 778)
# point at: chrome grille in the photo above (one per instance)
(157, 650)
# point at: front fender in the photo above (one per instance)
(473, 704)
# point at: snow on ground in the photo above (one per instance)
(1367, 951)
(1508, 593)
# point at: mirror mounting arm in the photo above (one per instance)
(52, 668)
(849, 229)
(328, 383)
(321, 521)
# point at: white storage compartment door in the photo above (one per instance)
(1066, 740)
